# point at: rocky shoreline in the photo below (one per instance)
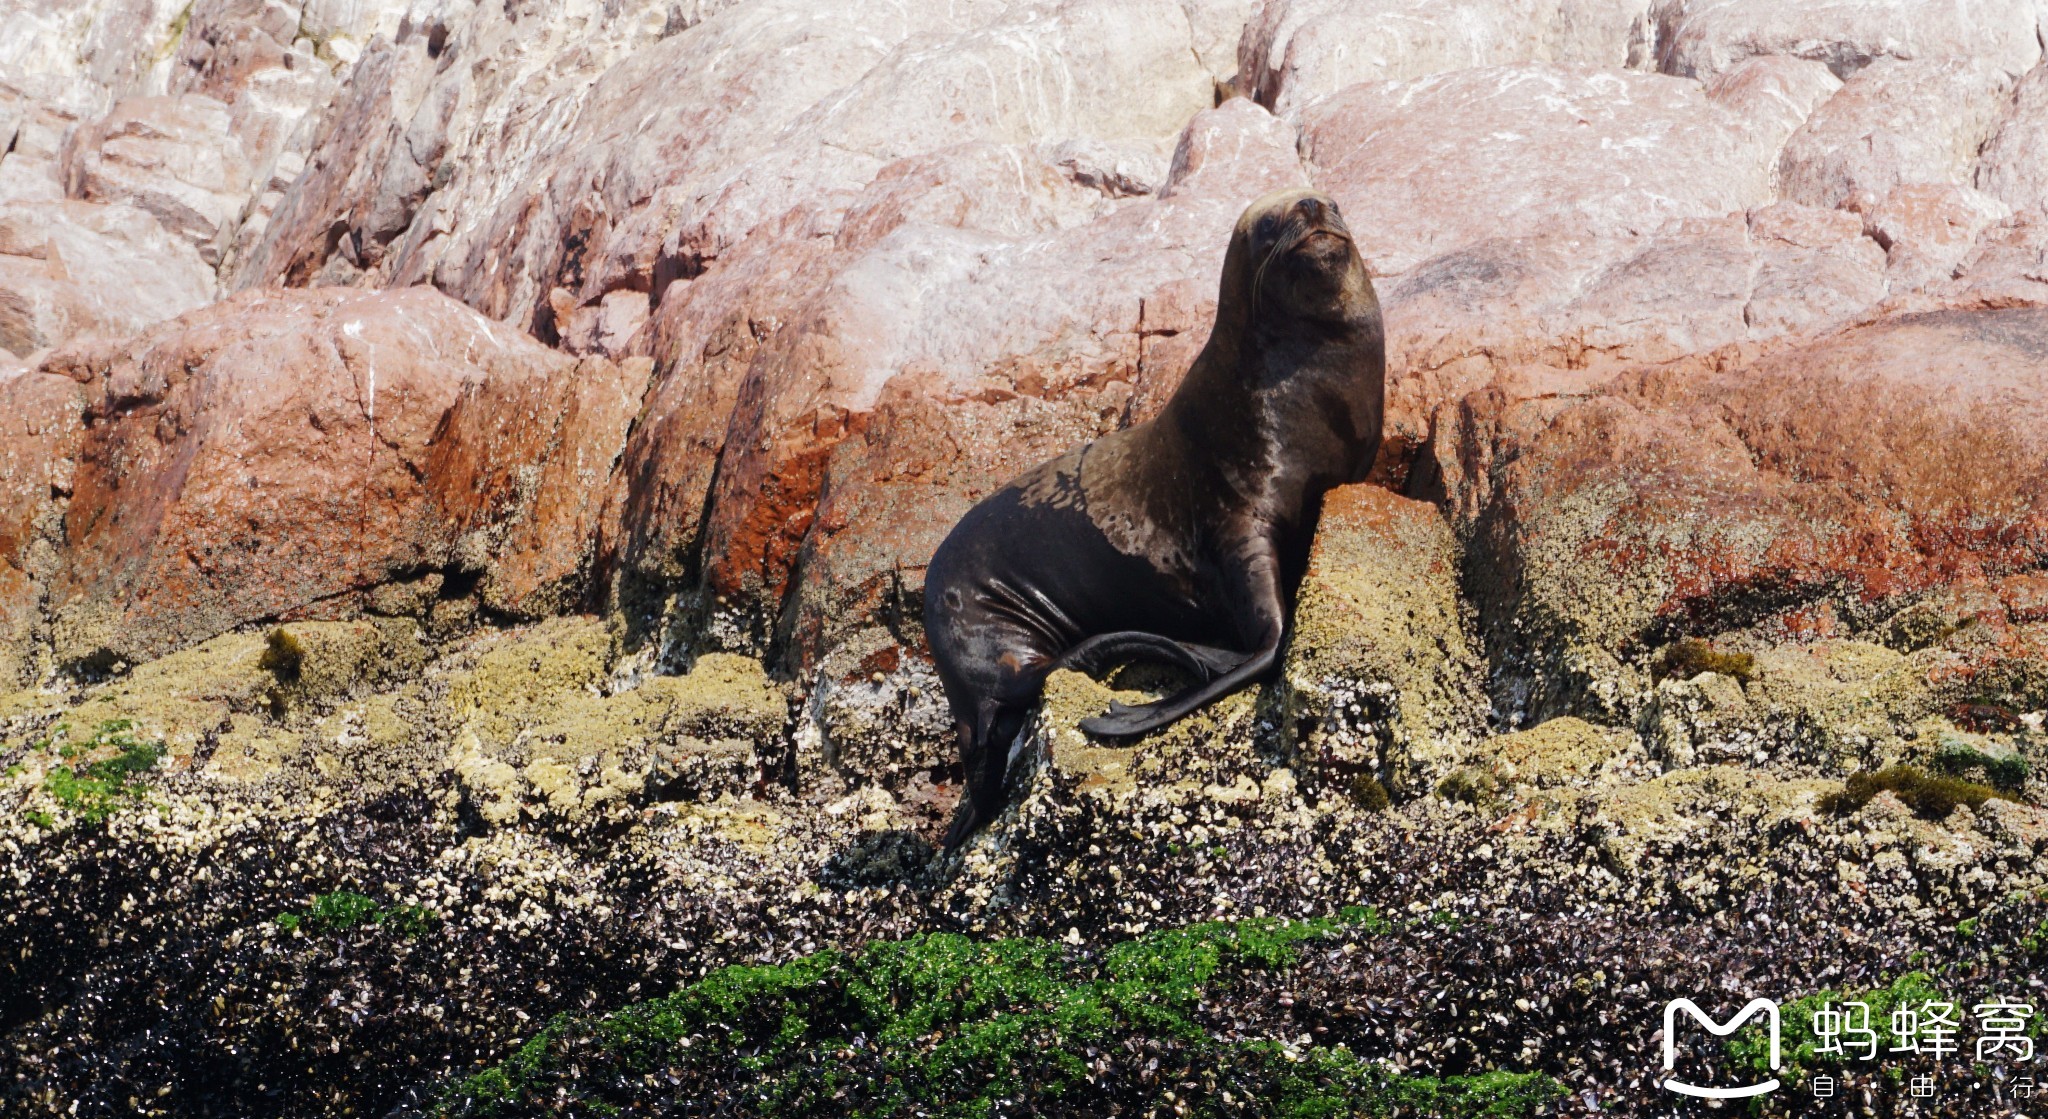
(467, 471)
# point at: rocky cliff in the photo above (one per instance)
(468, 468)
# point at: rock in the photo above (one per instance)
(1635, 824)
(72, 270)
(1701, 38)
(1560, 313)
(1591, 529)
(1928, 229)
(1194, 783)
(877, 717)
(1381, 678)
(825, 107)
(78, 57)
(522, 473)
(318, 661)
(1895, 122)
(1295, 51)
(40, 418)
(290, 439)
(1456, 158)
(1815, 267)
(871, 418)
(1559, 751)
(173, 157)
(534, 734)
(190, 698)
(2009, 166)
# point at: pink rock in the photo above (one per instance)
(1295, 51)
(423, 178)
(1927, 229)
(1701, 38)
(2012, 167)
(1816, 267)
(1895, 122)
(1453, 159)
(2007, 267)
(1773, 92)
(73, 270)
(172, 156)
(1549, 228)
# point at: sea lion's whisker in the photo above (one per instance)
(1282, 247)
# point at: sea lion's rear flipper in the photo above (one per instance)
(1104, 650)
(1122, 720)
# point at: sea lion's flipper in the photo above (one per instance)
(1259, 595)
(985, 752)
(965, 820)
(1106, 649)
(1122, 720)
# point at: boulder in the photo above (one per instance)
(1296, 51)
(537, 731)
(1895, 122)
(173, 157)
(1701, 38)
(40, 415)
(277, 454)
(398, 184)
(1456, 158)
(1802, 492)
(2009, 168)
(1381, 681)
(880, 399)
(75, 270)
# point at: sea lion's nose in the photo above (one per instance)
(1312, 208)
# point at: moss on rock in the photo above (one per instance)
(1382, 675)
(1559, 751)
(564, 748)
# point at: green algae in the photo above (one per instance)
(944, 1024)
(343, 910)
(94, 790)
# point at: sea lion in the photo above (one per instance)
(1182, 539)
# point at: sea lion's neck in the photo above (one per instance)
(1282, 414)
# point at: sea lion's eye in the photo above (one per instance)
(1266, 225)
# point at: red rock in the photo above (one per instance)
(1051, 329)
(520, 473)
(283, 450)
(40, 427)
(1823, 484)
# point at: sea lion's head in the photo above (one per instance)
(1294, 260)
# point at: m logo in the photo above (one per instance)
(1671, 1010)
